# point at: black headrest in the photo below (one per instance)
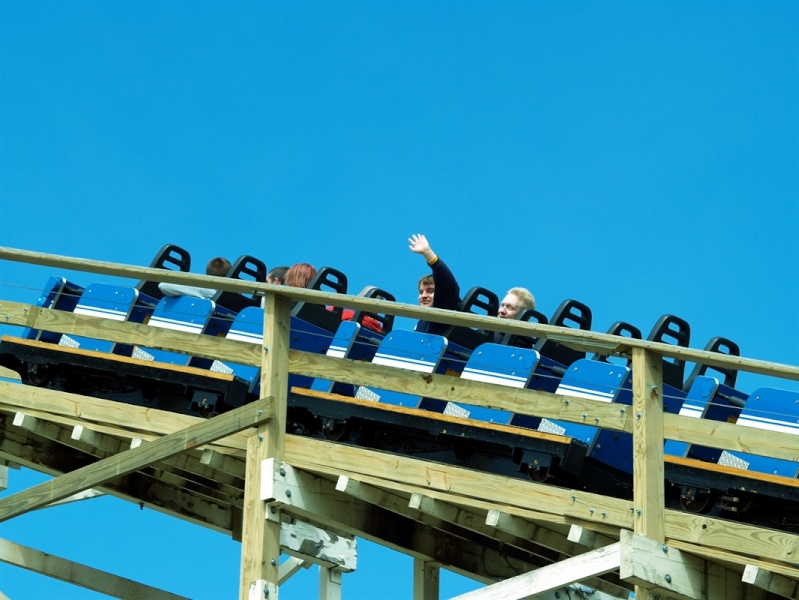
(570, 313)
(724, 346)
(170, 257)
(247, 268)
(478, 301)
(670, 327)
(326, 279)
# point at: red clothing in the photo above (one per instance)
(369, 322)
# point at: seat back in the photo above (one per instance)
(570, 313)
(170, 257)
(57, 293)
(524, 341)
(340, 347)
(104, 301)
(248, 326)
(408, 350)
(622, 329)
(604, 382)
(771, 409)
(670, 329)
(500, 365)
(723, 346)
(247, 268)
(326, 279)
(380, 323)
(477, 301)
(707, 399)
(180, 313)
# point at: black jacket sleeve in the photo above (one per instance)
(447, 295)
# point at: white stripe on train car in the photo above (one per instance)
(413, 364)
(691, 410)
(769, 424)
(570, 390)
(245, 336)
(493, 377)
(337, 351)
(176, 325)
(104, 313)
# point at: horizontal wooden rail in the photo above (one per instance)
(585, 340)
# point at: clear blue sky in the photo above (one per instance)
(641, 157)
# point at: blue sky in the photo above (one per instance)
(641, 157)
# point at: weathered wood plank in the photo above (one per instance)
(589, 509)
(136, 458)
(260, 546)
(648, 485)
(552, 577)
(75, 573)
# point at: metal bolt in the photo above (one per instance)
(668, 578)
(266, 592)
(638, 511)
(266, 348)
(260, 412)
(638, 415)
(288, 493)
(604, 514)
(282, 472)
(654, 388)
(566, 401)
(622, 410)
(273, 562)
(664, 548)
(272, 509)
(574, 498)
(260, 438)
(585, 415)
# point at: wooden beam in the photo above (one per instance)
(14, 314)
(78, 574)
(554, 576)
(590, 510)
(321, 547)
(648, 484)
(260, 543)
(290, 566)
(134, 459)
(425, 579)
(586, 537)
(106, 412)
(771, 582)
(654, 566)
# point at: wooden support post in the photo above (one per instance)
(648, 486)
(329, 584)
(425, 580)
(260, 546)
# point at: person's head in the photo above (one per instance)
(427, 289)
(218, 267)
(300, 275)
(277, 275)
(516, 300)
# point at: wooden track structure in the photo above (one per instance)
(240, 472)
